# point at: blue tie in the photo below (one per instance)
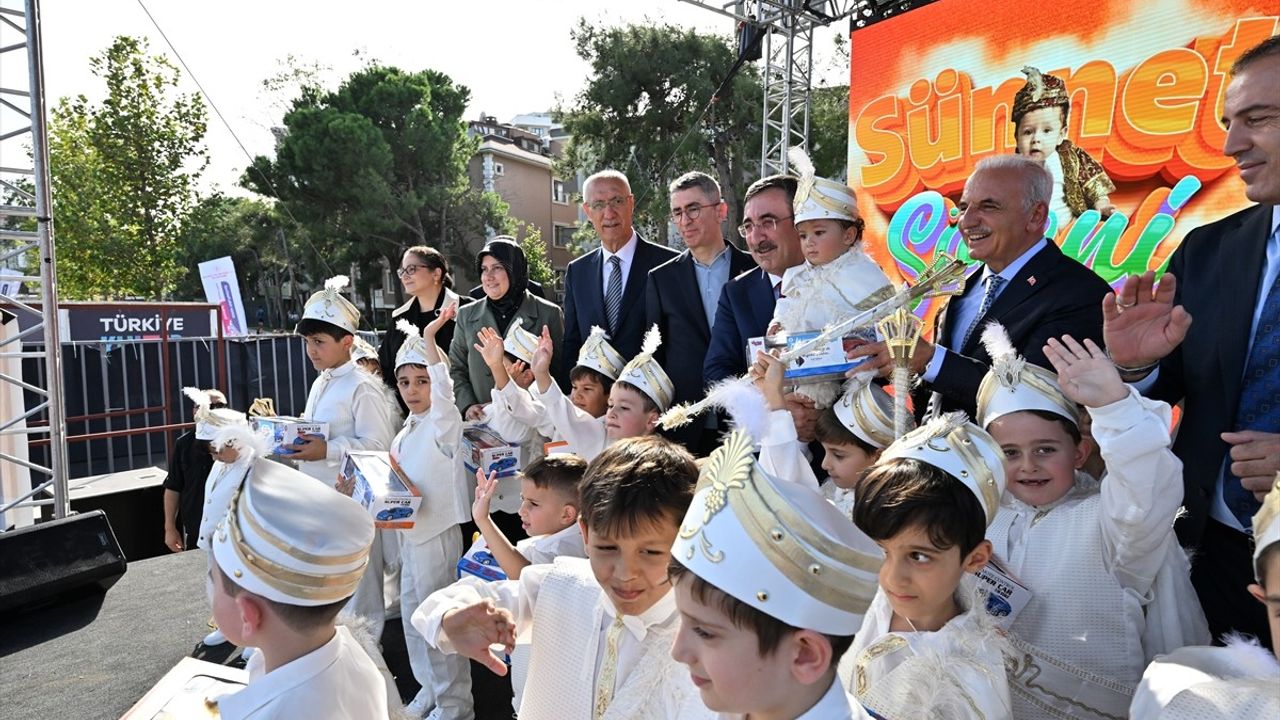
(1259, 407)
(994, 283)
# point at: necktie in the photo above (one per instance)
(613, 293)
(777, 290)
(609, 670)
(994, 283)
(1259, 407)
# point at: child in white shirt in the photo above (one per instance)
(925, 648)
(577, 420)
(426, 453)
(1080, 544)
(1241, 680)
(601, 628)
(837, 279)
(766, 615)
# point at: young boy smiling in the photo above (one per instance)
(766, 614)
(924, 650)
(610, 618)
(1078, 543)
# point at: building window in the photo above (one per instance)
(498, 169)
(558, 192)
(564, 234)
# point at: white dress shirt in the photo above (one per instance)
(836, 704)
(335, 680)
(352, 404)
(964, 309)
(626, 254)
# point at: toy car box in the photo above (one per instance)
(484, 448)
(284, 430)
(477, 561)
(391, 499)
(823, 363)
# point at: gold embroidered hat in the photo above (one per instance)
(1013, 384)
(520, 342)
(362, 350)
(962, 450)
(777, 546)
(866, 410)
(599, 355)
(413, 351)
(291, 539)
(1266, 527)
(210, 421)
(331, 306)
(646, 374)
(1040, 91)
(818, 198)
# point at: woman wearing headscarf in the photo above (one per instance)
(504, 276)
(424, 275)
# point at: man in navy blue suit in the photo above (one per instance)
(605, 287)
(747, 301)
(682, 295)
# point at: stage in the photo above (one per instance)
(92, 657)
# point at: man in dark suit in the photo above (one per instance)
(1024, 283)
(605, 287)
(1222, 367)
(747, 301)
(681, 295)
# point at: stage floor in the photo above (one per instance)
(93, 657)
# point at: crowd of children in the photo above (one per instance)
(965, 568)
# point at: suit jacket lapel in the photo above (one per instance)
(688, 287)
(943, 335)
(595, 290)
(1244, 257)
(762, 300)
(634, 289)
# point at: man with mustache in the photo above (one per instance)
(1024, 282)
(747, 301)
(1224, 275)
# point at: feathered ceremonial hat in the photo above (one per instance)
(645, 373)
(331, 306)
(777, 546)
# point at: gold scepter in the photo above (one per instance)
(940, 279)
(901, 331)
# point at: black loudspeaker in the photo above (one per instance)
(58, 559)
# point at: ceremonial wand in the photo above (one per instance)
(901, 331)
(940, 279)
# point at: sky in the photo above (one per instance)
(516, 56)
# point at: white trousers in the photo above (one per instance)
(367, 601)
(425, 567)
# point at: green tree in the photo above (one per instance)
(262, 243)
(376, 166)
(647, 89)
(123, 176)
(535, 254)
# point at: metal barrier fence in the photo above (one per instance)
(124, 401)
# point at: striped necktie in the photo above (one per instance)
(613, 293)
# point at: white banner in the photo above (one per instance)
(222, 288)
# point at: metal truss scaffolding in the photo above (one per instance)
(788, 64)
(26, 247)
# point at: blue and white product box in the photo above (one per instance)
(477, 561)
(284, 430)
(391, 499)
(484, 448)
(824, 363)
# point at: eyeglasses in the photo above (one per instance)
(408, 270)
(768, 224)
(492, 271)
(614, 202)
(693, 212)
